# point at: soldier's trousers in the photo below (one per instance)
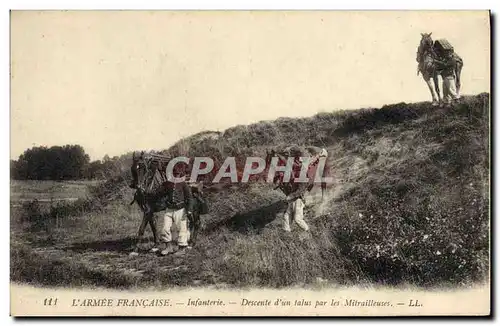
(295, 210)
(179, 218)
(449, 89)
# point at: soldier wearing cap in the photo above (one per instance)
(446, 64)
(180, 204)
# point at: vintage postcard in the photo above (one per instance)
(250, 163)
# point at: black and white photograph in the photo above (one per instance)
(250, 163)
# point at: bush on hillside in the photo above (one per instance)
(428, 240)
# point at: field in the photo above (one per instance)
(409, 206)
(45, 191)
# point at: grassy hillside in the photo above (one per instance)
(410, 205)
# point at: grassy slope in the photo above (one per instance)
(409, 205)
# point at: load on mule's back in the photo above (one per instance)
(442, 46)
(313, 156)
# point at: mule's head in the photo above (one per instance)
(139, 170)
(282, 160)
(426, 41)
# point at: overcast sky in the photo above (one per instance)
(118, 81)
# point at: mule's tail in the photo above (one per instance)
(458, 72)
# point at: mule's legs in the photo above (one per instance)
(431, 88)
(142, 228)
(140, 234)
(435, 78)
(286, 217)
(194, 226)
(152, 224)
(457, 78)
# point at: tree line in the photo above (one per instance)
(68, 162)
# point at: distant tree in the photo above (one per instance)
(67, 162)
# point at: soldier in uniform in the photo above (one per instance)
(446, 64)
(447, 67)
(295, 192)
(179, 204)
